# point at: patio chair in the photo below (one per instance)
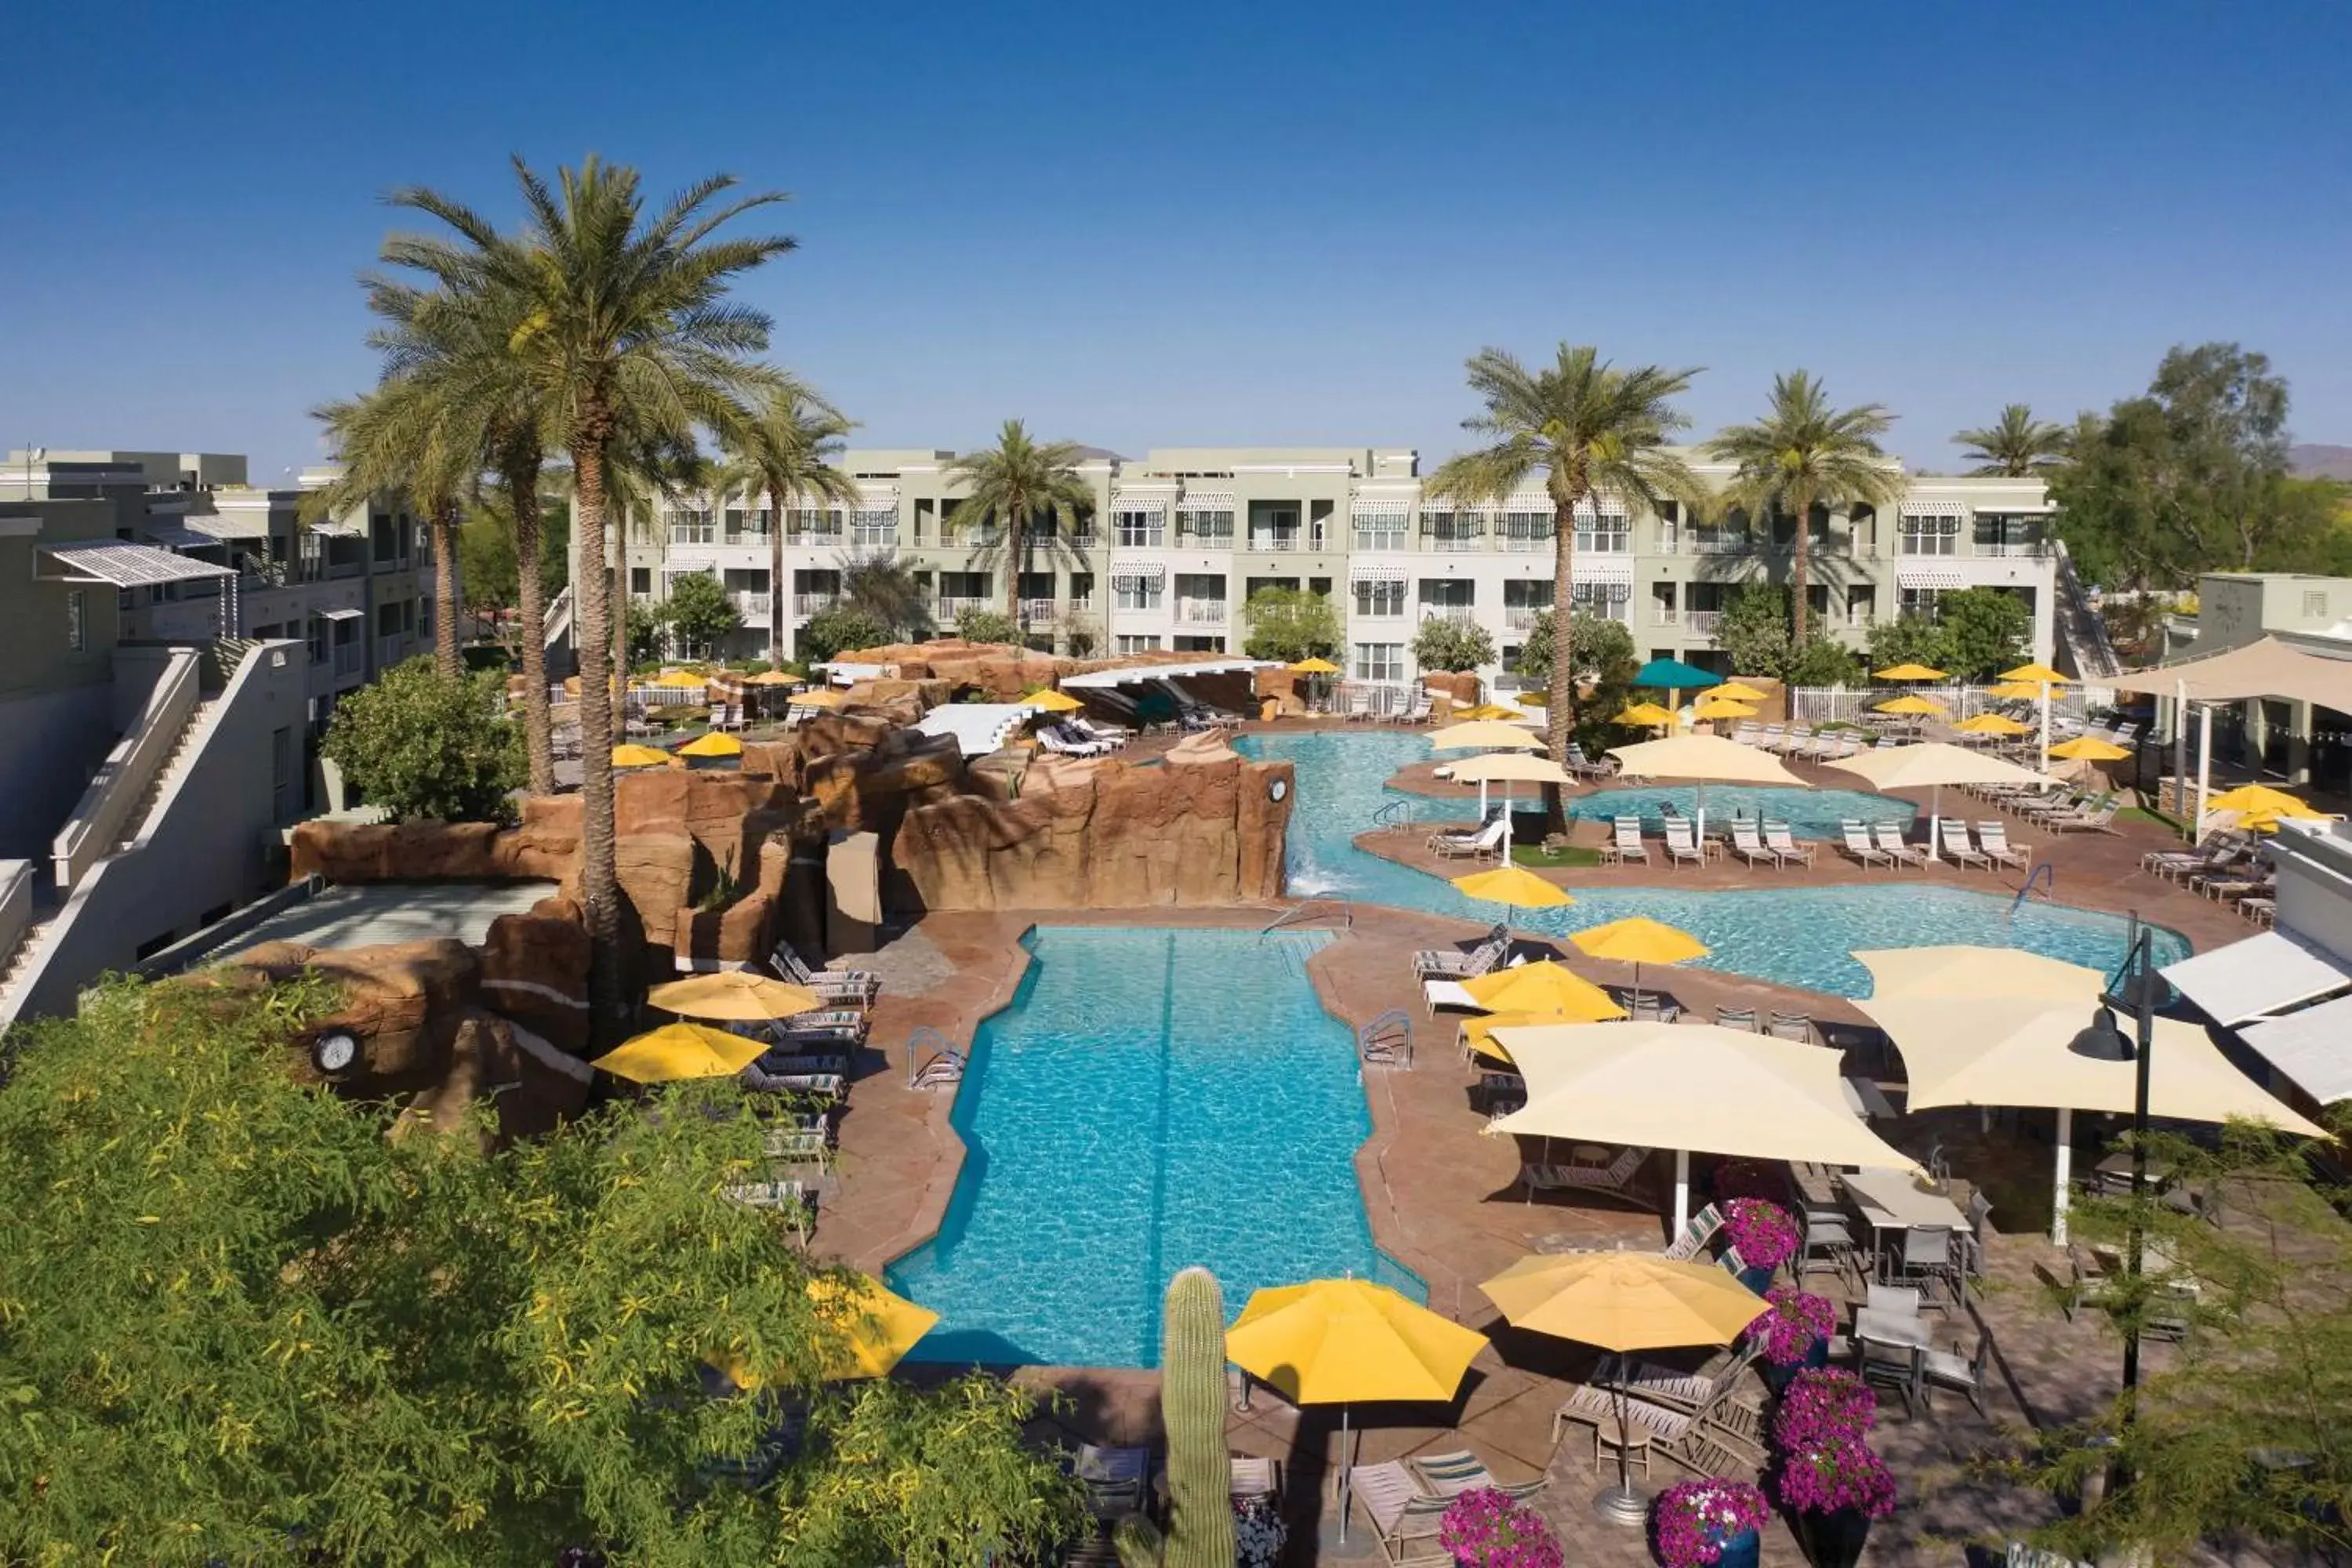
(1972, 1244)
(1782, 841)
(1649, 1007)
(1419, 708)
(1254, 1477)
(1625, 842)
(1949, 1368)
(2097, 818)
(1061, 746)
(1451, 1475)
(1770, 740)
(1926, 1257)
(1585, 767)
(1387, 1040)
(795, 1200)
(1681, 843)
(1891, 842)
(836, 987)
(1884, 1365)
(1486, 843)
(1992, 838)
(1117, 1479)
(1501, 1093)
(1698, 1231)
(1827, 1240)
(1741, 1018)
(1749, 846)
(1855, 842)
(1403, 1518)
(817, 1086)
(1701, 1447)
(790, 1063)
(1957, 847)
(1454, 964)
(1108, 734)
(1615, 1179)
(1790, 1027)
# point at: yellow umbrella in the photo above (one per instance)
(2014, 689)
(1734, 691)
(1348, 1341)
(713, 744)
(1638, 940)
(1907, 672)
(820, 697)
(2034, 675)
(1486, 733)
(2261, 801)
(878, 1327)
(2089, 749)
(1721, 708)
(1485, 711)
(1514, 884)
(1314, 666)
(680, 679)
(1480, 1032)
(1909, 705)
(678, 1051)
(1992, 724)
(1533, 698)
(1623, 1302)
(770, 677)
(1646, 716)
(634, 756)
(733, 996)
(1544, 988)
(1053, 701)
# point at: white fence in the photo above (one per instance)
(104, 810)
(1847, 704)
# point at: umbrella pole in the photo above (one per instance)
(1343, 1475)
(2064, 1156)
(1621, 1504)
(1701, 839)
(1935, 823)
(1682, 1190)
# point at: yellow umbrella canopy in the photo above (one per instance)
(1623, 1301)
(820, 697)
(1721, 708)
(1486, 733)
(1907, 672)
(1646, 716)
(1314, 666)
(2034, 675)
(1638, 940)
(713, 744)
(1513, 885)
(2014, 689)
(2261, 801)
(1339, 1341)
(2090, 749)
(1480, 1032)
(1992, 724)
(770, 677)
(878, 1325)
(678, 1051)
(1544, 988)
(732, 996)
(1734, 691)
(681, 678)
(1915, 705)
(1486, 710)
(1053, 701)
(633, 756)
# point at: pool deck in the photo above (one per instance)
(1441, 1199)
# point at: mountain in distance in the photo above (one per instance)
(2311, 462)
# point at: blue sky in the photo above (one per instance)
(1209, 223)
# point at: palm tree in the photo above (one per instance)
(1589, 426)
(399, 439)
(628, 339)
(1015, 482)
(2015, 446)
(1803, 453)
(790, 450)
(883, 588)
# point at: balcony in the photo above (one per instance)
(1609, 543)
(1453, 614)
(816, 538)
(1663, 615)
(705, 534)
(1529, 544)
(2016, 549)
(1377, 539)
(1201, 612)
(1521, 617)
(806, 604)
(1702, 622)
(757, 538)
(1271, 542)
(349, 658)
(1454, 543)
(946, 609)
(1705, 544)
(391, 650)
(1034, 611)
(751, 607)
(1086, 543)
(880, 536)
(976, 539)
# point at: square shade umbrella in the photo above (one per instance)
(1673, 675)
(2089, 749)
(1507, 767)
(637, 756)
(1909, 707)
(1486, 732)
(1638, 940)
(1314, 666)
(1688, 1087)
(1704, 759)
(1992, 724)
(1722, 708)
(1931, 765)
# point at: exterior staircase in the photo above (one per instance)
(2084, 650)
(557, 623)
(183, 751)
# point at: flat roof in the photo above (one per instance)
(369, 914)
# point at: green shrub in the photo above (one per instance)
(421, 746)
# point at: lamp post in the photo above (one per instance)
(2136, 988)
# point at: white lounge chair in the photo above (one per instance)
(1403, 1518)
(834, 987)
(1891, 842)
(1625, 842)
(1956, 845)
(1452, 963)
(1747, 846)
(1858, 845)
(1486, 843)
(1681, 843)
(1779, 839)
(1614, 1179)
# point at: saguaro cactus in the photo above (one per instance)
(1192, 1406)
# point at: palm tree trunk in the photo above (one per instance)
(444, 589)
(1801, 567)
(600, 887)
(1015, 531)
(522, 479)
(775, 576)
(1561, 697)
(617, 587)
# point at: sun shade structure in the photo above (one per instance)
(1314, 666)
(2266, 668)
(1673, 675)
(1705, 759)
(1486, 733)
(732, 996)
(1508, 767)
(633, 756)
(2307, 1048)
(1514, 884)
(1348, 1341)
(1931, 765)
(122, 566)
(1544, 988)
(1688, 1087)
(1992, 724)
(2089, 749)
(713, 744)
(1961, 970)
(676, 1051)
(1646, 716)
(1733, 691)
(2267, 973)
(1909, 707)
(1906, 672)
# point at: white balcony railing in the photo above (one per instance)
(1661, 614)
(1523, 544)
(1520, 617)
(876, 537)
(750, 605)
(1035, 610)
(949, 608)
(350, 658)
(1269, 542)
(814, 537)
(1453, 614)
(1702, 542)
(1086, 543)
(1454, 543)
(1201, 612)
(1702, 622)
(809, 603)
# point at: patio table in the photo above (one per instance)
(1906, 1329)
(1892, 1203)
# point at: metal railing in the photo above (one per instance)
(351, 658)
(391, 650)
(1454, 543)
(750, 604)
(1454, 615)
(1273, 541)
(100, 817)
(1520, 617)
(1203, 612)
(947, 609)
(1702, 622)
(931, 1057)
(1312, 908)
(811, 604)
(1034, 610)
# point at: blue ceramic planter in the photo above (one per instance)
(1741, 1550)
(1777, 1377)
(1756, 1280)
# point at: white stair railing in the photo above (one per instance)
(103, 813)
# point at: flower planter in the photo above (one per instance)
(1759, 1279)
(1831, 1540)
(1741, 1550)
(1777, 1378)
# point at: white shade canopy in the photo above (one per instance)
(2264, 667)
(1486, 732)
(2267, 973)
(1933, 763)
(1962, 969)
(1507, 767)
(1712, 758)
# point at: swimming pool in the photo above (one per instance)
(1793, 936)
(1152, 1099)
(1814, 813)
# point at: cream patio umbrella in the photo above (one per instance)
(1932, 764)
(2004, 1039)
(1688, 1087)
(1490, 732)
(1507, 767)
(1705, 759)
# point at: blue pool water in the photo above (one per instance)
(1152, 1099)
(1809, 813)
(1794, 936)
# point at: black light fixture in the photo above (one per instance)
(2101, 1040)
(2138, 989)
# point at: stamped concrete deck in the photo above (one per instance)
(1441, 1199)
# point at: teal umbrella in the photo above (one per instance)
(1674, 674)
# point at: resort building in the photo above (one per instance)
(171, 639)
(1180, 539)
(2304, 743)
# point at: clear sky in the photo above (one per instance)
(1176, 223)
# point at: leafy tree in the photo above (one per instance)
(837, 628)
(398, 440)
(1014, 483)
(790, 448)
(2014, 445)
(1822, 661)
(273, 1333)
(1980, 632)
(976, 624)
(1754, 630)
(1803, 453)
(1602, 661)
(1290, 625)
(420, 745)
(1451, 646)
(884, 589)
(625, 342)
(1905, 639)
(1589, 427)
(699, 613)
(485, 560)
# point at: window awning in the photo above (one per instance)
(2263, 974)
(172, 536)
(2311, 1050)
(128, 565)
(231, 525)
(1206, 500)
(339, 530)
(1602, 569)
(1137, 571)
(342, 615)
(1935, 509)
(1372, 571)
(1928, 577)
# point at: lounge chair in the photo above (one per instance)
(1614, 1179)
(1117, 1479)
(1956, 845)
(1108, 734)
(1790, 1027)
(834, 987)
(1992, 838)
(1053, 740)
(2097, 818)
(1697, 1233)
(1707, 1393)
(1700, 1446)
(1740, 1018)
(794, 1063)
(1783, 843)
(1452, 963)
(1681, 843)
(1747, 846)
(1891, 843)
(1625, 842)
(1254, 1477)
(1857, 845)
(796, 1201)
(1403, 1518)
(1649, 1007)
(1451, 1475)
(1486, 843)
(818, 1086)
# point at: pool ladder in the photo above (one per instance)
(2046, 874)
(1313, 909)
(1397, 813)
(943, 1065)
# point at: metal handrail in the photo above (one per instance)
(940, 1050)
(1396, 813)
(2049, 891)
(1310, 907)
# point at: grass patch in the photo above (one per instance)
(1536, 855)
(2143, 814)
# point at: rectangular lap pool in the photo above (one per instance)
(1152, 1099)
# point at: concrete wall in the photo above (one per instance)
(203, 847)
(55, 740)
(2315, 886)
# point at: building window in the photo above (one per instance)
(1380, 530)
(1213, 529)
(1605, 535)
(77, 621)
(383, 540)
(1131, 643)
(1920, 602)
(1525, 530)
(1610, 601)
(1380, 661)
(1140, 529)
(691, 527)
(1918, 535)
(318, 640)
(641, 579)
(1199, 644)
(1452, 531)
(1379, 598)
(1136, 594)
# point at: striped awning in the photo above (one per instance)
(1924, 576)
(333, 530)
(1137, 571)
(1373, 572)
(1593, 568)
(1121, 501)
(1385, 511)
(1206, 500)
(1913, 507)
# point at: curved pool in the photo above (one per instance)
(1814, 813)
(1791, 936)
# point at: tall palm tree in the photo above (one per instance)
(628, 333)
(1589, 426)
(2014, 445)
(790, 449)
(1803, 453)
(399, 439)
(1017, 481)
